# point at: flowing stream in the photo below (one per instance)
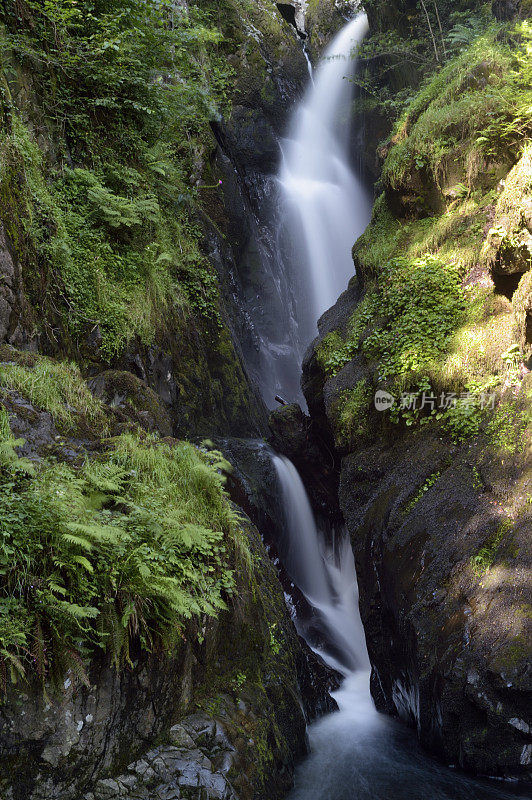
(356, 753)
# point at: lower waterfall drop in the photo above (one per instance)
(325, 573)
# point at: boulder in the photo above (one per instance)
(133, 397)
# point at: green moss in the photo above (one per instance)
(350, 414)
(511, 655)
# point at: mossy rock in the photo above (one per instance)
(508, 246)
(124, 391)
(322, 22)
(522, 303)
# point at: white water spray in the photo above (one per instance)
(327, 206)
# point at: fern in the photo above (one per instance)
(123, 550)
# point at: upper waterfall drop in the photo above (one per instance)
(327, 206)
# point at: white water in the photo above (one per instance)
(359, 754)
(324, 573)
(327, 206)
(356, 753)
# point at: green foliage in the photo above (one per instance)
(59, 388)
(483, 561)
(333, 353)
(409, 317)
(116, 555)
(275, 641)
(420, 303)
(477, 105)
(410, 47)
(462, 421)
(128, 91)
(124, 70)
(507, 427)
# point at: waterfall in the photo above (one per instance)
(325, 573)
(326, 207)
(356, 753)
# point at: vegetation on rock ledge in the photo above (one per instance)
(113, 555)
(430, 321)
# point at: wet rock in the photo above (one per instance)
(323, 20)
(448, 643)
(294, 435)
(76, 746)
(7, 286)
(179, 736)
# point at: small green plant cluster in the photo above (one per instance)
(113, 557)
(506, 429)
(275, 640)
(483, 561)
(351, 410)
(420, 304)
(462, 421)
(428, 484)
(203, 294)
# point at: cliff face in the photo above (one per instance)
(128, 245)
(435, 479)
(197, 229)
(222, 708)
(226, 716)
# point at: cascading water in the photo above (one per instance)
(326, 207)
(324, 573)
(356, 753)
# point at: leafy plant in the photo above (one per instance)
(483, 561)
(115, 555)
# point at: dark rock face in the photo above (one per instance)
(449, 641)
(449, 648)
(505, 9)
(247, 678)
(270, 76)
(253, 485)
(11, 296)
(294, 434)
